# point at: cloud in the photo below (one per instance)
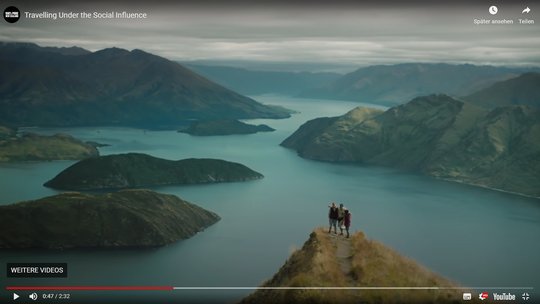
(346, 35)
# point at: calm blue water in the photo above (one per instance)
(474, 236)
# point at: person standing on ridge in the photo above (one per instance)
(347, 221)
(341, 215)
(333, 217)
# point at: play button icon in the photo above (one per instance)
(15, 296)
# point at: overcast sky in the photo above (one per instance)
(346, 35)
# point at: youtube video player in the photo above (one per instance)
(271, 151)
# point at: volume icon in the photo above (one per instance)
(33, 296)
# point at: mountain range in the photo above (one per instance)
(394, 84)
(74, 87)
(435, 135)
(254, 82)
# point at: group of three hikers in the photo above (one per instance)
(339, 216)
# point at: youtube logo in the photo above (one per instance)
(483, 295)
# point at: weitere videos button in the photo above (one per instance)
(37, 270)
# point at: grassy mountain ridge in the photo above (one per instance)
(132, 170)
(111, 87)
(129, 218)
(438, 136)
(330, 261)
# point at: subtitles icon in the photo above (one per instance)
(483, 295)
(467, 296)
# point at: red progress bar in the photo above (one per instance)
(89, 288)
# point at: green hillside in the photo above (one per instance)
(33, 147)
(438, 136)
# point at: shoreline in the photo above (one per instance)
(485, 187)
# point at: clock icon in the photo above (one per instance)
(493, 10)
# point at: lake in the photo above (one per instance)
(474, 236)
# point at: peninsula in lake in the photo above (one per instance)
(134, 170)
(437, 136)
(328, 260)
(128, 218)
(34, 147)
(51, 87)
(224, 127)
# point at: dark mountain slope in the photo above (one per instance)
(111, 87)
